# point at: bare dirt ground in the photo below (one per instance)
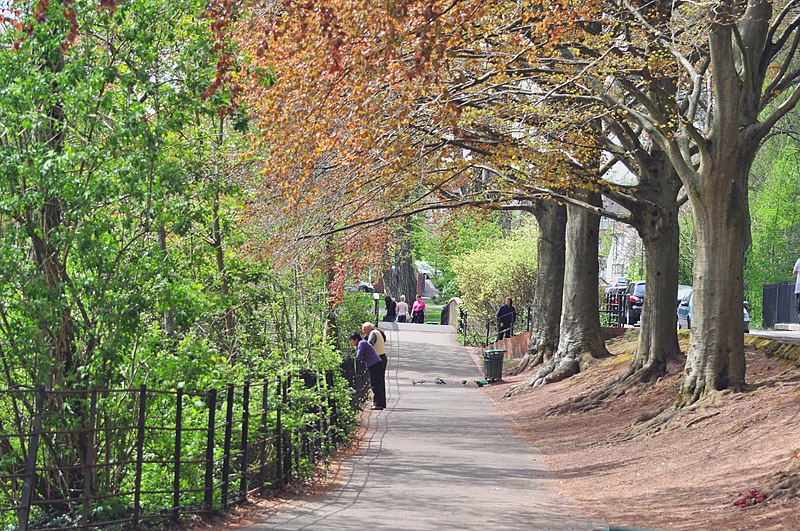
(689, 475)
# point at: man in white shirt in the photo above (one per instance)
(375, 338)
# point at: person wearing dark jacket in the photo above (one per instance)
(506, 317)
(377, 370)
(391, 310)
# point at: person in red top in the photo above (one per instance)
(418, 311)
(377, 370)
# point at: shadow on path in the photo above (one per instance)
(439, 456)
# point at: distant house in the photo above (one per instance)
(620, 247)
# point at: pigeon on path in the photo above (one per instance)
(415, 382)
(439, 381)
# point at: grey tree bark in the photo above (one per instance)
(551, 218)
(580, 339)
(654, 213)
(401, 279)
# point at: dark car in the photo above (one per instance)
(617, 285)
(685, 313)
(363, 287)
(632, 301)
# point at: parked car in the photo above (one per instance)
(632, 302)
(363, 287)
(616, 285)
(427, 270)
(685, 313)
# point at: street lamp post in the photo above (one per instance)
(377, 297)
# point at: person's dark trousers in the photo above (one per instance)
(401, 318)
(503, 333)
(377, 380)
(797, 304)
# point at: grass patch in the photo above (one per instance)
(433, 315)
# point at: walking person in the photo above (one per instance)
(418, 310)
(391, 309)
(506, 317)
(796, 273)
(402, 310)
(366, 353)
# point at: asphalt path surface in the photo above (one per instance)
(438, 457)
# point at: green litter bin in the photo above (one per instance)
(493, 364)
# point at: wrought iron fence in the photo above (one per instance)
(96, 458)
(612, 307)
(478, 332)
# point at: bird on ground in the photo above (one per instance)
(415, 382)
(463, 382)
(439, 381)
(482, 382)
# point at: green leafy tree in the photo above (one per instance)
(775, 222)
(506, 267)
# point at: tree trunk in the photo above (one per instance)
(224, 287)
(580, 340)
(655, 217)
(169, 319)
(715, 360)
(401, 279)
(551, 218)
(658, 339)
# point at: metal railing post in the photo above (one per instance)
(208, 502)
(30, 464)
(226, 445)
(176, 479)
(245, 434)
(89, 460)
(137, 493)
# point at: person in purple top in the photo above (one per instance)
(377, 370)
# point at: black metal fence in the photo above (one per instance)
(778, 304)
(612, 307)
(483, 330)
(97, 458)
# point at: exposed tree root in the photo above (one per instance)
(556, 370)
(786, 485)
(614, 389)
(530, 360)
(655, 423)
(536, 379)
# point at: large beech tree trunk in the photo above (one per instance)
(655, 217)
(658, 339)
(715, 360)
(718, 195)
(580, 340)
(551, 218)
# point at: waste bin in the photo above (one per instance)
(493, 364)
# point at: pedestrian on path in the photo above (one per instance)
(506, 317)
(418, 310)
(377, 378)
(402, 310)
(795, 272)
(391, 309)
(377, 338)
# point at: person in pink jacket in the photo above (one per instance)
(418, 311)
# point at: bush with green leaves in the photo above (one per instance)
(506, 268)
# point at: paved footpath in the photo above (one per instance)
(438, 457)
